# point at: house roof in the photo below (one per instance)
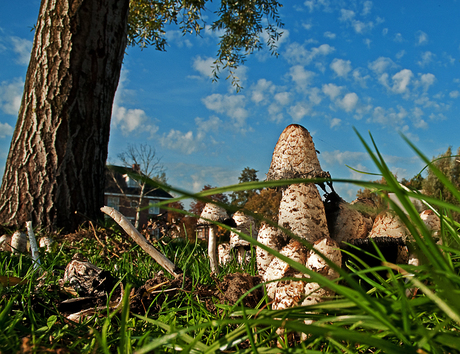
(120, 186)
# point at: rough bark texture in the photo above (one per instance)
(55, 166)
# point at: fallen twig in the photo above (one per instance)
(141, 241)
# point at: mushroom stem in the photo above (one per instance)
(212, 249)
(33, 244)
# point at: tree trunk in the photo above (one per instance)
(55, 166)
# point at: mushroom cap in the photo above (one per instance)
(330, 248)
(5, 241)
(431, 220)
(346, 223)
(244, 224)
(19, 242)
(289, 293)
(388, 224)
(295, 156)
(45, 242)
(268, 236)
(212, 212)
(302, 211)
(224, 253)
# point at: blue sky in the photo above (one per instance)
(381, 66)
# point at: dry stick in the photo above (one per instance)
(33, 244)
(141, 241)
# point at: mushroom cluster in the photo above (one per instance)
(325, 225)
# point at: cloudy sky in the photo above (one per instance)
(385, 67)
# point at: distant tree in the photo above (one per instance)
(414, 183)
(374, 195)
(265, 203)
(450, 167)
(143, 160)
(240, 198)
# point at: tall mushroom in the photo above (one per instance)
(210, 214)
(246, 225)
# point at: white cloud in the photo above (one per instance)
(11, 95)
(398, 38)
(212, 124)
(367, 42)
(314, 96)
(401, 80)
(360, 78)
(22, 47)
(348, 102)
(348, 16)
(301, 77)
(367, 7)
(381, 65)
(231, 105)
(332, 90)
(5, 130)
(187, 143)
(329, 35)
(203, 65)
(389, 117)
(299, 110)
(283, 98)
(132, 121)
(421, 37)
(335, 122)
(400, 54)
(454, 94)
(341, 158)
(312, 5)
(260, 91)
(299, 54)
(177, 37)
(426, 58)
(341, 67)
(385, 31)
(426, 80)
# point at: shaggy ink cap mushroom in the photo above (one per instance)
(212, 212)
(295, 156)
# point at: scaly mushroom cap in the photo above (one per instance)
(19, 242)
(279, 269)
(346, 223)
(268, 236)
(244, 224)
(289, 293)
(302, 212)
(295, 156)
(330, 249)
(212, 212)
(5, 242)
(388, 224)
(431, 220)
(224, 253)
(46, 242)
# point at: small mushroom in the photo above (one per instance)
(210, 213)
(268, 236)
(19, 242)
(432, 222)
(313, 291)
(46, 243)
(279, 269)
(224, 252)
(345, 222)
(5, 243)
(246, 225)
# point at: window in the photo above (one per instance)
(113, 202)
(153, 209)
(131, 183)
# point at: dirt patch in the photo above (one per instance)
(235, 285)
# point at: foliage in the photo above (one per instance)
(241, 24)
(449, 165)
(240, 198)
(266, 203)
(410, 309)
(376, 194)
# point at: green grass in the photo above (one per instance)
(380, 320)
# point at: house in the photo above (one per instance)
(122, 193)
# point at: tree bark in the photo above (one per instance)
(55, 165)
